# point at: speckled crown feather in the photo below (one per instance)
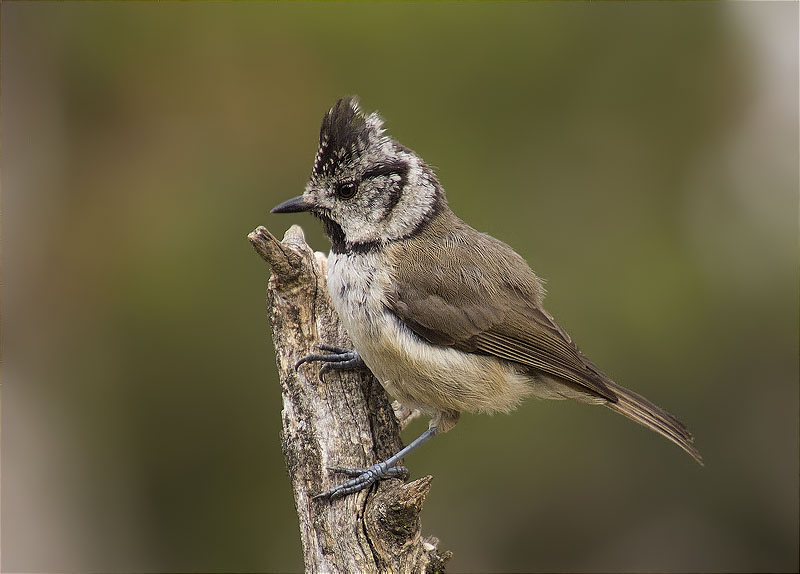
(346, 132)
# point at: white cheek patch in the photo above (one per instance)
(414, 204)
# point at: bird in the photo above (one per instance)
(447, 318)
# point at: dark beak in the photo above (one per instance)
(294, 205)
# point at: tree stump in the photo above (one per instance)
(344, 419)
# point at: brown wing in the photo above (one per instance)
(459, 288)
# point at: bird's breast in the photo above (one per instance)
(356, 284)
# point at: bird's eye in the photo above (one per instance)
(346, 190)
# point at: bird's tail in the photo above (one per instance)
(639, 409)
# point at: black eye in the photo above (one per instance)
(346, 190)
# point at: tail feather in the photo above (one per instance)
(639, 409)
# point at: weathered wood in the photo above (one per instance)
(343, 420)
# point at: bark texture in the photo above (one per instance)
(343, 420)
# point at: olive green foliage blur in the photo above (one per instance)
(642, 158)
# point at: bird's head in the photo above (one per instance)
(365, 187)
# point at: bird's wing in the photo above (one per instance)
(483, 298)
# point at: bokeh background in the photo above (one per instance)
(642, 157)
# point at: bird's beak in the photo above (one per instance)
(294, 205)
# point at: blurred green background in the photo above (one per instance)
(642, 157)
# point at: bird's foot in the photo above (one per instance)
(362, 478)
(335, 358)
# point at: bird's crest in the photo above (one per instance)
(346, 132)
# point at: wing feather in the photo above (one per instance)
(483, 299)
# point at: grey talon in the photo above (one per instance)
(336, 358)
(364, 477)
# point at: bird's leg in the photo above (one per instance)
(364, 477)
(337, 358)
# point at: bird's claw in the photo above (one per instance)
(362, 478)
(334, 358)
